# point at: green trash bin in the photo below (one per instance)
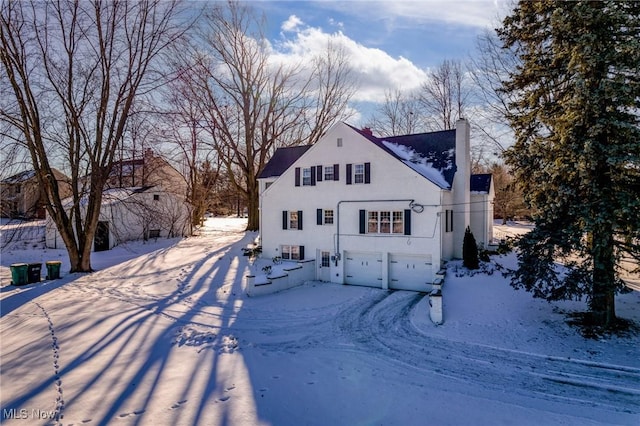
(53, 269)
(34, 274)
(19, 272)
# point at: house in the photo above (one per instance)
(22, 196)
(143, 198)
(381, 212)
(148, 170)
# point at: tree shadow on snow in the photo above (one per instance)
(128, 351)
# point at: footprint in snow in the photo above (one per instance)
(224, 398)
(178, 404)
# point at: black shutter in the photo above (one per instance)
(313, 176)
(300, 220)
(363, 221)
(319, 173)
(301, 248)
(285, 219)
(367, 172)
(349, 174)
(319, 216)
(336, 172)
(407, 222)
(446, 221)
(297, 176)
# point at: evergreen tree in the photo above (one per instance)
(470, 250)
(577, 149)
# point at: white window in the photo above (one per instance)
(290, 252)
(293, 220)
(328, 217)
(306, 176)
(325, 259)
(398, 223)
(358, 175)
(385, 222)
(372, 222)
(328, 173)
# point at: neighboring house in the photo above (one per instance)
(133, 214)
(143, 198)
(23, 198)
(381, 212)
(148, 170)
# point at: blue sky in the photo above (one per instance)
(391, 44)
(424, 32)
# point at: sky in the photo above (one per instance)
(391, 44)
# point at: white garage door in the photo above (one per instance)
(362, 268)
(410, 272)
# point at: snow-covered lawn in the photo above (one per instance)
(164, 334)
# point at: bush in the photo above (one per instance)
(469, 251)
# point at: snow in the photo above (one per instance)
(418, 163)
(163, 333)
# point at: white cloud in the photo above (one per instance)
(291, 24)
(374, 70)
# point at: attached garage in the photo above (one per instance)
(363, 268)
(410, 272)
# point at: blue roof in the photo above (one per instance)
(282, 159)
(435, 148)
(481, 183)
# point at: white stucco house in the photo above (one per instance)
(381, 212)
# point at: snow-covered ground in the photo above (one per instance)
(164, 334)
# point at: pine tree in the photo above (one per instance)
(470, 250)
(577, 149)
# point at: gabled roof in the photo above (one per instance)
(282, 159)
(20, 177)
(433, 154)
(481, 183)
(430, 154)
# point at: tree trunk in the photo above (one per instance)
(253, 211)
(602, 304)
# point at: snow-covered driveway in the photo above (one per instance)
(170, 338)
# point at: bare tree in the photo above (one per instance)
(487, 70)
(250, 106)
(181, 126)
(399, 114)
(444, 96)
(75, 70)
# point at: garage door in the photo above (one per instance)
(362, 268)
(410, 272)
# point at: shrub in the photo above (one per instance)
(469, 251)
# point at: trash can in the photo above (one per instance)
(33, 274)
(53, 269)
(19, 273)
